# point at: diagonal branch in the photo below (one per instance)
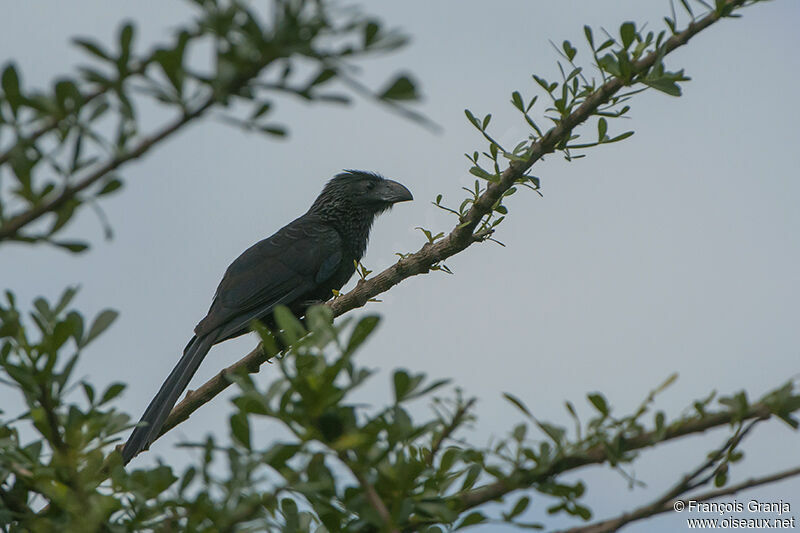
(687, 483)
(613, 524)
(464, 234)
(10, 228)
(599, 454)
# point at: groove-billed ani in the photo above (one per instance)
(300, 264)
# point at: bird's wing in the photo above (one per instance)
(275, 271)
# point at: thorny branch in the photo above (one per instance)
(464, 234)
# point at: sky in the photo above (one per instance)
(673, 251)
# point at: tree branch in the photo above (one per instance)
(599, 454)
(14, 224)
(689, 482)
(251, 364)
(454, 423)
(613, 524)
(464, 234)
(371, 494)
(49, 125)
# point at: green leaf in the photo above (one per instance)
(602, 129)
(480, 173)
(517, 403)
(402, 88)
(665, 85)
(103, 320)
(151, 483)
(542, 83)
(88, 390)
(472, 475)
(73, 246)
(569, 50)
(519, 508)
(279, 454)
(240, 429)
(110, 186)
(290, 515)
(660, 419)
(475, 122)
(438, 509)
(67, 95)
(261, 110)
(516, 99)
(430, 388)
(291, 329)
(721, 477)
(114, 390)
(475, 517)
(76, 321)
(581, 511)
(554, 432)
(319, 318)
(361, 332)
(125, 40)
(371, 30)
(64, 214)
(401, 385)
(628, 33)
(10, 84)
(324, 75)
(609, 64)
(65, 299)
(587, 31)
(274, 130)
(171, 61)
(599, 402)
(92, 48)
(187, 478)
(99, 109)
(620, 137)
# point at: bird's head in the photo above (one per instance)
(365, 191)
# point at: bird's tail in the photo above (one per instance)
(156, 413)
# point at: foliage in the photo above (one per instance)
(345, 466)
(64, 146)
(578, 99)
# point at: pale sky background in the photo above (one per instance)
(674, 251)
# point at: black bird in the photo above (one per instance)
(300, 264)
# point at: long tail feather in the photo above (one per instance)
(160, 407)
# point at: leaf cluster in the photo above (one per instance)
(61, 147)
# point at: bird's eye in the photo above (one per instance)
(370, 185)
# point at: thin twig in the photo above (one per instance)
(371, 494)
(49, 125)
(689, 482)
(53, 122)
(10, 228)
(609, 525)
(458, 417)
(599, 454)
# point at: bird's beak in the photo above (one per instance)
(393, 192)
